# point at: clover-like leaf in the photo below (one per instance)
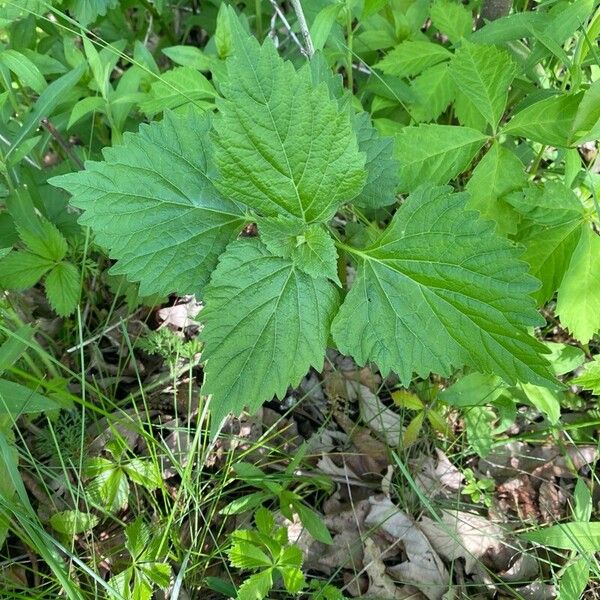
(439, 290)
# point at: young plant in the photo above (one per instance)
(479, 490)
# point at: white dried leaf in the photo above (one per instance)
(378, 417)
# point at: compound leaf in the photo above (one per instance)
(152, 203)
(266, 323)
(283, 145)
(63, 288)
(434, 90)
(452, 18)
(439, 290)
(21, 270)
(411, 57)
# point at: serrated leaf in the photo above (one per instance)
(72, 522)
(266, 324)
(484, 74)
(439, 290)
(144, 472)
(412, 57)
(21, 270)
(382, 168)
(87, 11)
(63, 288)
(310, 247)
(478, 423)
(548, 121)
(283, 145)
(245, 555)
(578, 302)
(152, 203)
(256, 587)
(434, 90)
(110, 489)
(590, 378)
(498, 173)
(434, 153)
(452, 18)
(46, 241)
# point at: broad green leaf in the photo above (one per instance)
(474, 389)
(178, 89)
(245, 555)
(434, 153)
(4, 252)
(283, 146)
(575, 579)
(548, 121)
(434, 90)
(110, 489)
(513, 27)
(21, 270)
(256, 586)
(266, 324)
(577, 536)
(15, 346)
(590, 378)
(382, 168)
(85, 107)
(452, 18)
(544, 400)
(310, 247)
(313, 523)
(586, 125)
(45, 241)
(483, 74)
(138, 536)
(28, 74)
(87, 11)
(412, 57)
(152, 203)
(189, 56)
(584, 504)
(550, 231)
(72, 522)
(16, 399)
(578, 302)
(467, 112)
(478, 423)
(498, 173)
(63, 288)
(439, 290)
(564, 358)
(144, 472)
(46, 103)
(324, 21)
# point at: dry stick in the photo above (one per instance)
(310, 48)
(287, 26)
(47, 125)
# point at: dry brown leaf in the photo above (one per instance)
(181, 315)
(468, 536)
(424, 568)
(552, 501)
(384, 422)
(518, 495)
(437, 479)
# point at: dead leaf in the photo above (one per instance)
(181, 315)
(518, 495)
(424, 568)
(470, 537)
(437, 478)
(552, 501)
(384, 422)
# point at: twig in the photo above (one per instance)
(287, 26)
(310, 49)
(47, 125)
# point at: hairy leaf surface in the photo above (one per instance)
(152, 203)
(439, 290)
(266, 323)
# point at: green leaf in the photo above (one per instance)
(590, 378)
(15, 346)
(245, 555)
(324, 21)
(439, 290)
(586, 125)
(22, 270)
(548, 121)
(564, 358)
(144, 472)
(434, 153)
(313, 523)
(544, 400)
(189, 56)
(87, 11)
(283, 146)
(266, 324)
(72, 522)
(152, 203)
(4, 252)
(574, 580)
(382, 168)
(577, 536)
(412, 57)
(178, 88)
(28, 74)
(474, 389)
(63, 288)
(256, 587)
(452, 18)
(46, 241)
(434, 90)
(498, 173)
(16, 399)
(578, 302)
(85, 107)
(478, 423)
(310, 247)
(484, 74)
(110, 489)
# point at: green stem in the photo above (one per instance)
(349, 53)
(258, 13)
(536, 163)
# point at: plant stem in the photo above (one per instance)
(308, 43)
(258, 13)
(349, 40)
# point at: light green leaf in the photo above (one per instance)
(266, 324)
(498, 173)
(574, 579)
(578, 536)
(578, 302)
(434, 90)
(16, 399)
(152, 203)
(21, 270)
(434, 153)
(28, 74)
(478, 423)
(310, 247)
(474, 389)
(590, 378)
(189, 56)
(63, 288)
(548, 121)
(4, 252)
(110, 489)
(87, 11)
(45, 241)
(439, 290)
(484, 74)
(586, 125)
(256, 587)
(15, 346)
(178, 88)
(144, 472)
(283, 146)
(412, 57)
(85, 107)
(72, 522)
(452, 18)
(324, 21)
(245, 555)
(564, 358)
(314, 524)
(544, 400)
